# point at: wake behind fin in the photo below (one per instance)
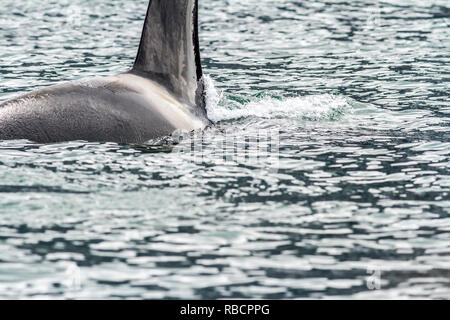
(169, 51)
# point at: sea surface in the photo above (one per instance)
(326, 174)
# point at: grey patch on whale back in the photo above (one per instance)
(169, 50)
(94, 112)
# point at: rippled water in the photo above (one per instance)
(355, 196)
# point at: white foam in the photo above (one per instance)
(312, 108)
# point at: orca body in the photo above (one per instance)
(162, 93)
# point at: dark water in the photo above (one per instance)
(351, 199)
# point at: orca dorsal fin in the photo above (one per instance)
(169, 51)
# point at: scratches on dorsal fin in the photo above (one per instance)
(169, 50)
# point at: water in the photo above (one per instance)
(354, 202)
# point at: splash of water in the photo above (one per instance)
(310, 108)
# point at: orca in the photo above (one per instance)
(162, 93)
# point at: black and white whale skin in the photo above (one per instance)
(162, 93)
